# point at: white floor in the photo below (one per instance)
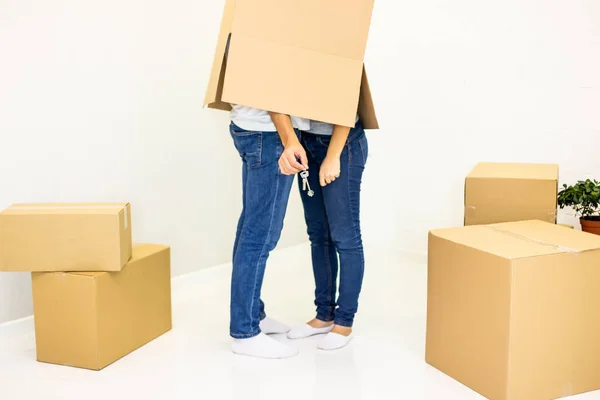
(385, 361)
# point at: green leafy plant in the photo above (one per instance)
(583, 198)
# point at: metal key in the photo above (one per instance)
(305, 184)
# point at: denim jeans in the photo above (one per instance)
(333, 220)
(265, 193)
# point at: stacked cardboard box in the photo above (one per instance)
(96, 297)
(507, 192)
(512, 308)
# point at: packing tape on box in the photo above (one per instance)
(525, 238)
(82, 207)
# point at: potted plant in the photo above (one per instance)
(584, 199)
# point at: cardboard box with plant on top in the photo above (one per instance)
(308, 59)
(507, 192)
(512, 309)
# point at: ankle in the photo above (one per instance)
(342, 330)
(317, 323)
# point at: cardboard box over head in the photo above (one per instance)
(65, 237)
(91, 319)
(508, 192)
(512, 309)
(298, 57)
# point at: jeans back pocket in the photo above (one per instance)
(248, 144)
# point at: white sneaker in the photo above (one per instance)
(304, 331)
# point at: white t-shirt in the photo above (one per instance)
(322, 128)
(253, 119)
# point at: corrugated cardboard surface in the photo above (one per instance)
(506, 192)
(90, 320)
(65, 237)
(309, 65)
(513, 309)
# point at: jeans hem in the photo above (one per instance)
(325, 319)
(246, 335)
(345, 324)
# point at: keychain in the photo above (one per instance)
(305, 184)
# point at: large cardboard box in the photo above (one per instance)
(299, 57)
(91, 319)
(513, 309)
(65, 237)
(507, 192)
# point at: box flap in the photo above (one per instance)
(514, 240)
(515, 171)
(86, 274)
(214, 91)
(309, 65)
(298, 82)
(366, 107)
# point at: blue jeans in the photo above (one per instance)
(333, 220)
(265, 193)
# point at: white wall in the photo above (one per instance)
(462, 81)
(103, 102)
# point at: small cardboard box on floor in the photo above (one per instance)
(65, 237)
(92, 319)
(298, 57)
(513, 309)
(507, 192)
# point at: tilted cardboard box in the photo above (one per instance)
(91, 319)
(65, 237)
(507, 192)
(512, 309)
(300, 57)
